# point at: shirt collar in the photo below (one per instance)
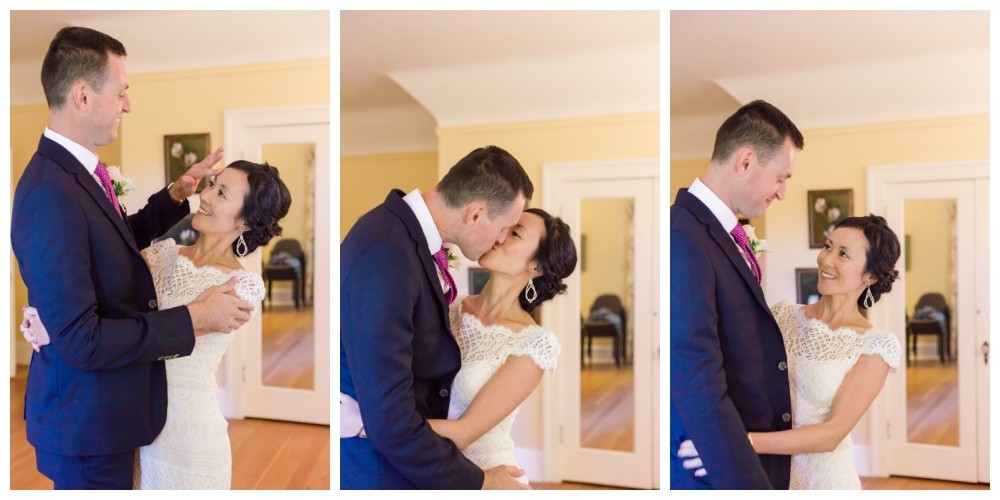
(719, 209)
(86, 157)
(430, 230)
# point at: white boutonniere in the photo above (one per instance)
(452, 258)
(758, 246)
(121, 183)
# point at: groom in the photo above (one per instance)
(99, 391)
(397, 354)
(728, 372)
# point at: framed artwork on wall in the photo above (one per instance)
(827, 208)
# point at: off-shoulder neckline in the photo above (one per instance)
(462, 313)
(801, 316)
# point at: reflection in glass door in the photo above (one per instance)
(287, 339)
(607, 392)
(929, 282)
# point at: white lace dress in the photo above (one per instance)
(818, 361)
(192, 451)
(484, 349)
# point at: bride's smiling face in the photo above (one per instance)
(514, 255)
(221, 203)
(842, 263)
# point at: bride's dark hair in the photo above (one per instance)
(266, 202)
(556, 256)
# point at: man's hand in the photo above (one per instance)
(188, 182)
(502, 477)
(218, 309)
(687, 450)
(33, 329)
(351, 425)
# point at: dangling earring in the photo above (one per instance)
(530, 293)
(869, 298)
(241, 247)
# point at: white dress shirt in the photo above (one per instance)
(720, 210)
(86, 157)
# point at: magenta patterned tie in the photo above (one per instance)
(109, 190)
(741, 237)
(441, 257)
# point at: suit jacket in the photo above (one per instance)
(728, 370)
(397, 357)
(100, 387)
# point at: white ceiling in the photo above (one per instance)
(169, 40)
(403, 73)
(823, 68)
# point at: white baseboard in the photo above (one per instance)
(531, 461)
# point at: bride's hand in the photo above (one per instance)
(350, 418)
(688, 451)
(33, 329)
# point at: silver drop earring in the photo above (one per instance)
(869, 298)
(241, 247)
(530, 293)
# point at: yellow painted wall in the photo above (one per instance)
(365, 180)
(536, 143)
(178, 102)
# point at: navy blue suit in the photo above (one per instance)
(397, 357)
(728, 372)
(100, 387)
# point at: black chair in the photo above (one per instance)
(279, 268)
(595, 326)
(919, 324)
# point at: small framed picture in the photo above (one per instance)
(826, 209)
(477, 279)
(806, 285)
(182, 151)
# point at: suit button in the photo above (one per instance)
(786, 417)
(152, 304)
(444, 393)
(783, 366)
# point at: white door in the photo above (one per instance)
(288, 377)
(938, 409)
(606, 407)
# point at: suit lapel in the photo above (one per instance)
(724, 241)
(394, 202)
(72, 166)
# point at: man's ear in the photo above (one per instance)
(474, 211)
(78, 95)
(742, 158)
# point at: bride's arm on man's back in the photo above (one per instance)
(860, 387)
(499, 397)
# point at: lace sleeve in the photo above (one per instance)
(541, 345)
(155, 255)
(784, 315)
(250, 287)
(884, 344)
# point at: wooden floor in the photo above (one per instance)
(607, 406)
(912, 483)
(932, 402)
(287, 346)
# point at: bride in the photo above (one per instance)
(837, 361)
(504, 352)
(239, 212)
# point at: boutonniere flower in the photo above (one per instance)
(452, 258)
(758, 246)
(121, 183)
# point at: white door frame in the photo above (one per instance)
(554, 177)
(232, 394)
(879, 177)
